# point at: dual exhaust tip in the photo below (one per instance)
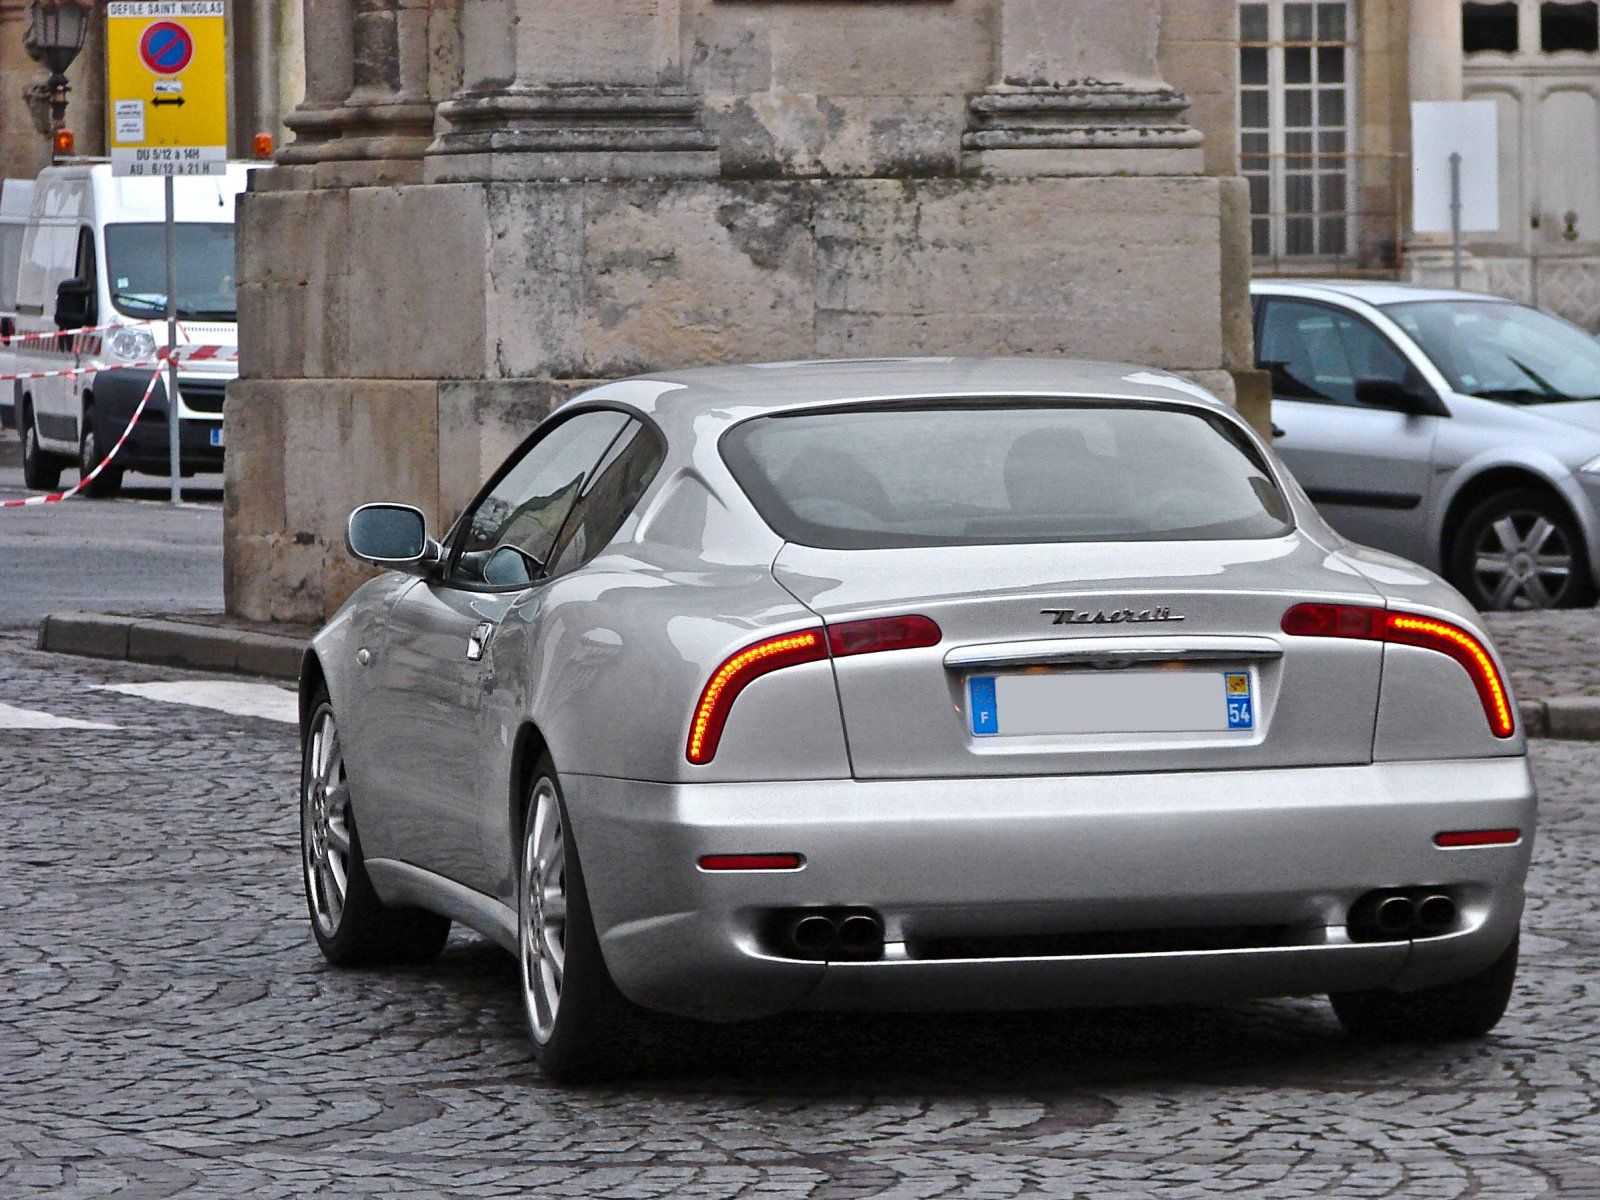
(1391, 915)
(855, 935)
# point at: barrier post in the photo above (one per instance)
(174, 442)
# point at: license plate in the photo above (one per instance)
(216, 436)
(1125, 701)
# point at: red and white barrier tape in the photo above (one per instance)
(68, 371)
(58, 497)
(183, 354)
(50, 335)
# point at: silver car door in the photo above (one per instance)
(427, 729)
(1368, 468)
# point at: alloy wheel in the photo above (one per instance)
(325, 823)
(1523, 560)
(542, 938)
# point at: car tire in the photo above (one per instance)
(41, 470)
(586, 1029)
(354, 928)
(109, 482)
(1468, 1008)
(1503, 529)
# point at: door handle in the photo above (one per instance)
(478, 640)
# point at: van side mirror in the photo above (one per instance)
(74, 304)
(393, 536)
(1413, 398)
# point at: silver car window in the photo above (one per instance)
(507, 538)
(1314, 352)
(1502, 351)
(618, 482)
(934, 474)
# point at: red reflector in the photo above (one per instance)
(752, 862)
(1412, 629)
(882, 633)
(731, 678)
(1478, 837)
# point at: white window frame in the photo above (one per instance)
(1277, 217)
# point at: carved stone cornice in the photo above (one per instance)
(358, 132)
(1085, 127)
(575, 131)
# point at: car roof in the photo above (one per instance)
(736, 392)
(1377, 292)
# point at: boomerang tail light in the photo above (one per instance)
(1412, 629)
(736, 674)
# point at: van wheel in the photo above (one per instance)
(41, 470)
(109, 482)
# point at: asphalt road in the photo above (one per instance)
(167, 1028)
(133, 554)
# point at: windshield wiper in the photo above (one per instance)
(208, 314)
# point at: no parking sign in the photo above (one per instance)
(167, 87)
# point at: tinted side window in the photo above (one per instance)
(614, 490)
(1314, 352)
(509, 535)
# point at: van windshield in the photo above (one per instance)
(136, 270)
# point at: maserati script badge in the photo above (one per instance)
(1112, 616)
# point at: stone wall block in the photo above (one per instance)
(883, 49)
(417, 310)
(798, 134)
(534, 300)
(321, 463)
(253, 498)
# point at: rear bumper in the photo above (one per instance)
(117, 394)
(996, 858)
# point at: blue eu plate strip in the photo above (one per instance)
(981, 704)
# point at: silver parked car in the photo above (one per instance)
(1461, 431)
(911, 684)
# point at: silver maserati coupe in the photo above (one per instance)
(919, 684)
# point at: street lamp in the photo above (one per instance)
(54, 37)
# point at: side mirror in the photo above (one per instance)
(1414, 399)
(74, 304)
(393, 536)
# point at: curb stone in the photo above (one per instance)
(173, 643)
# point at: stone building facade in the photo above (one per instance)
(1325, 94)
(492, 204)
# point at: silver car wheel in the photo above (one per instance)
(1523, 561)
(325, 823)
(542, 937)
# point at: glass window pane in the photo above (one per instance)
(1297, 64)
(1297, 107)
(1330, 22)
(1252, 22)
(1253, 64)
(1331, 192)
(1297, 193)
(1489, 27)
(1253, 109)
(620, 479)
(1298, 146)
(1260, 237)
(1260, 194)
(1331, 141)
(1299, 235)
(1330, 64)
(1568, 26)
(1297, 22)
(1301, 349)
(1249, 143)
(1330, 106)
(526, 508)
(975, 474)
(1333, 235)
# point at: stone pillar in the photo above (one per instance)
(367, 99)
(1433, 72)
(540, 99)
(1080, 93)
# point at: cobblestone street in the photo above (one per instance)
(168, 1029)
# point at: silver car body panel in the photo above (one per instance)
(863, 764)
(1340, 448)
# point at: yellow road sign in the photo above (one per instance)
(167, 87)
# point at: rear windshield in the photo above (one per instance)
(934, 474)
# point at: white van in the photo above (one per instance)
(16, 202)
(94, 255)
